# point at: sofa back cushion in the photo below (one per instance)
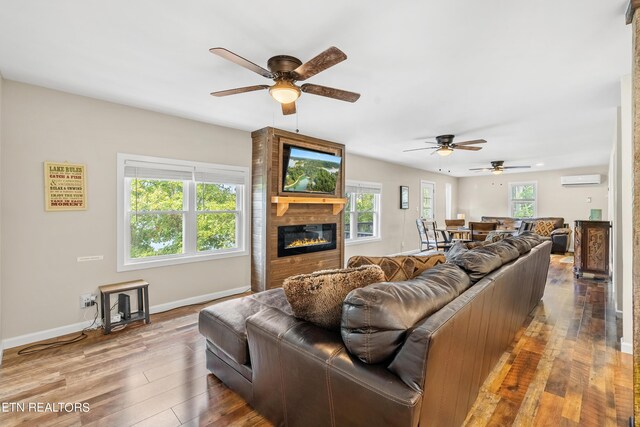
(504, 250)
(533, 239)
(398, 268)
(520, 243)
(476, 263)
(375, 319)
(318, 297)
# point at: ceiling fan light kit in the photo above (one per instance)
(284, 92)
(497, 171)
(444, 151)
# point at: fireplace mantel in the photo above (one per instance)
(284, 201)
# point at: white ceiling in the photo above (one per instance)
(539, 80)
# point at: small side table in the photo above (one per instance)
(143, 302)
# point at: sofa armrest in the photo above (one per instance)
(302, 372)
(561, 231)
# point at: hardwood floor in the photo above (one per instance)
(563, 369)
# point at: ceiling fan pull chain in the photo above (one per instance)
(297, 127)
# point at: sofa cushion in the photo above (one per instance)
(533, 239)
(455, 249)
(476, 263)
(504, 250)
(224, 323)
(398, 268)
(375, 319)
(521, 244)
(476, 244)
(544, 227)
(318, 297)
(495, 236)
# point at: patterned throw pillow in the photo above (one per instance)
(398, 268)
(543, 228)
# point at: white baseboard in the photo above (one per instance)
(76, 327)
(625, 347)
(197, 300)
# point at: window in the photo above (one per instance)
(522, 199)
(173, 211)
(362, 212)
(427, 199)
(447, 199)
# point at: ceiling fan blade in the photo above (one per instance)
(456, 147)
(289, 108)
(418, 149)
(475, 141)
(330, 92)
(239, 90)
(321, 62)
(237, 59)
(516, 167)
(481, 169)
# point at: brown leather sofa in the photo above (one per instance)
(296, 373)
(560, 236)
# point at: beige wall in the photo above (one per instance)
(399, 232)
(41, 279)
(1, 323)
(488, 195)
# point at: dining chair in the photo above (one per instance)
(454, 223)
(442, 238)
(480, 230)
(424, 236)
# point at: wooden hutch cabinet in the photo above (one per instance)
(591, 248)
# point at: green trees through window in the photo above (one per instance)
(523, 199)
(362, 210)
(159, 211)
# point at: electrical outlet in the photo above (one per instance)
(87, 300)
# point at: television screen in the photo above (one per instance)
(311, 172)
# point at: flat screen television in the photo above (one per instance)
(309, 171)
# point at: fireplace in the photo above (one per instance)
(304, 239)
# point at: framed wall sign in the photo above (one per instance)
(404, 197)
(65, 187)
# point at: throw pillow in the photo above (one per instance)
(399, 268)
(318, 297)
(455, 249)
(375, 319)
(544, 227)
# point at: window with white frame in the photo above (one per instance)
(175, 211)
(522, 199)
(427, 200)
(362, 212)
(448, 194)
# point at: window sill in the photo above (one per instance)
(362, 241)
(141, 265)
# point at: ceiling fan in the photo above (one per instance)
(497, 167)
(444, 145)
(286, 70)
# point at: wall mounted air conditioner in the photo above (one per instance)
(580, 180)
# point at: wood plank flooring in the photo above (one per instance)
(563, 369)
